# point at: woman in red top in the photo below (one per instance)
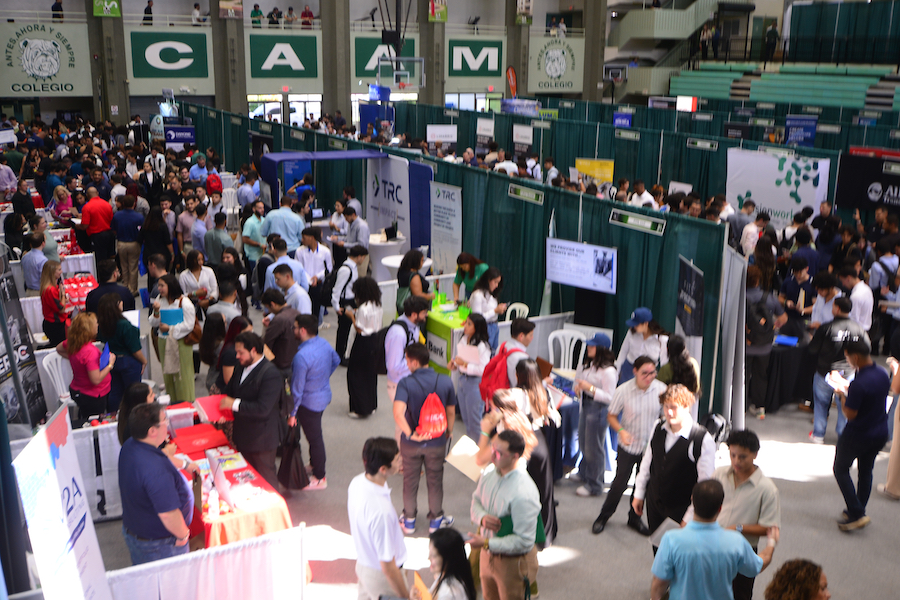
(90, 384)
(53, 303)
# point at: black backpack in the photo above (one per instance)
(380, 358)
(328, 284)
(717, 427)
(760, 323)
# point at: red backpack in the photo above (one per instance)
(432, 417)
(213, 183)
(495, 376)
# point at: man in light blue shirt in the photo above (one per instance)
(245, 193)
(312, 367)
(254, 241)
(398, 337)
(286, 223)
(198, 231)
(702, 559)
(199, 172)
(33, 263)
(279, 246)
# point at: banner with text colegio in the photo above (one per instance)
(42, 59)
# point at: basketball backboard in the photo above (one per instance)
(404, 73)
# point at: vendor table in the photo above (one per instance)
(75, 263)
(380, 250)
(791, 371)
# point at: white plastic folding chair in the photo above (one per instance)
(517, 310)
(60, 372)
(568, 340)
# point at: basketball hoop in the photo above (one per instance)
(402, 85)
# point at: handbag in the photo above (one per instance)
(292, 472)
(196, 333)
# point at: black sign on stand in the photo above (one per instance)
(866, 182)
(736, 131)
(690, 298)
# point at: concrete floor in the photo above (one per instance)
(615, 564)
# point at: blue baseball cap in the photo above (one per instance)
(599, 339)
(640, 315)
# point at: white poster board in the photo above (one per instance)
(582, 265)
(446, 226)
(440, 133)
(387, 193)
(779, 185)
(62, 532)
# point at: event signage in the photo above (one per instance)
(337, 144)
(566, 104)
(598, 171)
(449, 112)
(446, 226)
(736, 131)
(582, 265)
(638, 222)
(762, 122)
(471, 57)
(445, 134)
(690, 298)
(521, 192)
(541, 124)
(701, 144)
(621, 119)
(556, 65)
(60, 527)
(107, 8)
(863, 121)
(523, 138)
(283, 56)
(387, 194)
(18, 355)
(702, 116)
(634, 136)
(158, 55)
(45, 59)
(549, 113)
(867, 182)
(800, 130)
(367, 51)
(779, 185)
(180, 135)
(484, 135)
(517, 106)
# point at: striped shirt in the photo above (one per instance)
(640, 412)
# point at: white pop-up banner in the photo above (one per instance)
(780, 185)
(445, 134)
(387, 193)
(62, 533)
(446, 226)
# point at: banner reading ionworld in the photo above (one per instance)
(387, 194)
(779, 185)
(41, 59)
(172, 57)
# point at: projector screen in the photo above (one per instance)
(582, 265)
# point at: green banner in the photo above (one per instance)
(283, 56)
(437, 11)
(165, 54)
(471, 58)
(368, 49)
(107, 8)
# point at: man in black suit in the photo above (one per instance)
(253, 393)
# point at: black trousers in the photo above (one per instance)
(743, 586)
(625, 464)
(758, 379)
(104, 245)
(343, 334)
(311, 422)
(264, 463)
(89, 406)
(55, 332)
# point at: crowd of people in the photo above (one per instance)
(146, 210)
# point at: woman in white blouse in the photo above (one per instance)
(198, 281)
(483, 301)
(362, 372)
(451, 569)
(177, 357)
(337, 222)
(471, 406)
(644, 338)
(596, 380)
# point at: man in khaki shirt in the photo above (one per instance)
(751, 499)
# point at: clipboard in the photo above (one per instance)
(104, 357)
(462, 456)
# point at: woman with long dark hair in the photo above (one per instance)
(483, 299)
(198, 281)
(124, 341)
(410, 281)
(176, 356)
(450, 567)
(211, 346)
(468, 271)
(596, 380)
(764, 258)
(682, 367)
(136, 394)
(14, 234)
(228, 356)
(362, 372)
(471, 406)
(645, 337)
(230, 269)
(544, 420)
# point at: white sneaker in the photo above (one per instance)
(583, 491)
(816, 440)
(316, 484)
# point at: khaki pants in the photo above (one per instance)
(503, 577)
(129, 255)
(373, 583)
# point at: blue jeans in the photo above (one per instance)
(864, 450)
(144, 551)
(126, 371)
(592, 428)
(493, 335)
(822, 395)
(471, 406)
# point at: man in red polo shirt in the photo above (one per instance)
(96, 220)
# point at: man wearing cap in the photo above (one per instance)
(633, 412)
(640, 341)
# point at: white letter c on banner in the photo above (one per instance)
(153, 51)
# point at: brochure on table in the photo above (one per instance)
(66, 550)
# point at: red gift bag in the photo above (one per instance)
(432, 418)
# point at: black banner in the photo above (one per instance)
(736, 131)
(690, 298)
(260, 144)
(866, 183)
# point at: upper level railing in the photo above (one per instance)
(665, 24)
(814, 49)
(42, 15)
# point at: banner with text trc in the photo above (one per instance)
(387, 194)
(779, 185)
(60, 527)
(446, 226)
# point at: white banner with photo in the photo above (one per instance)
(387, 194)
(446, 227)
(779, 184)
